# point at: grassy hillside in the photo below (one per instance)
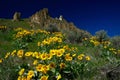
(34, 54)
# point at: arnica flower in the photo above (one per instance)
(13, 53)
(96, 43)
(87, 58)
(30, 74)
(44, 78)
(62, 65)
(114, 52)
(27, 54)
(59, 40)
(73, 55)
(43, 56)
(38, 44)
(118, 51)
(20, 53)
(52, 65)
(39, 67)
(105, 47)
(35, 54)
(59, 54)
(35, 62)
(62, 50)
(1, 60)
(68, 57)
(49, 56)
(45, 68)
(53, 52)
(59, 77)
(7, 55)
(21, 71)
(80, 57)
(19, 78)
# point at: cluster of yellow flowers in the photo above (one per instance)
(50, 40)
(1, 27)
(104, 44)
(82, 57)
(58, 54)
(46, 61)
(115, 51)
(94, 41)
(24, 32)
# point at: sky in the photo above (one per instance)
(90, 15)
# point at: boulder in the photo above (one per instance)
(114, 74)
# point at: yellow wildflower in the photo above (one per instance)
(87, 58)
(96, 43)
(1, 60)
(59, 77)
(13, 53)
(53, 52)
(52, 65)
(68, 57)
(105, 47)
(21, 71)
(80, 57)
(73, 55)
(59, 54)
(44, 78)
(62, 65)
(28, 54)
(30, 74)
(43, 56)
(35, 62)
(38, 44)
(49, 56)
(45, 68)
(7, 55)
(118, 51)
(20, 53)
(39, 67)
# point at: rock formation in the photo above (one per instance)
(16, 16)
(43, 20)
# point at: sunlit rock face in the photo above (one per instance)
(43, 20)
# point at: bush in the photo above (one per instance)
(116, 42)
(102, 35)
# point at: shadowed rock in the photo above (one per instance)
(114, 74)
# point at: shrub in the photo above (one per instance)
(116, 42)
(102, 35)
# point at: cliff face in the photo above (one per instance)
(43, 20)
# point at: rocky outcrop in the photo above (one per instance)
(43, 20)
(40, 17)
(16, 16)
